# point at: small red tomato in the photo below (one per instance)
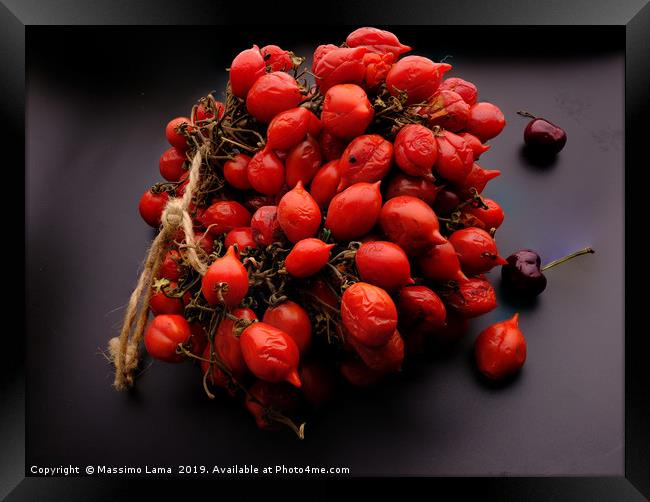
(477, 251)
(417, 76)
(236, 172)
(477, 178)
(325, 183)
(492, 217)
(307, 257)
(288, 128)
(264, 396)
(298, 214)
(175, 132)
(421, 309)
(340, 66)
(205, 241)
(358, 374)
(475, 144)
(172, 164)
(354, 212)
(318, 383)
(500, 349)
(386, 358)
(271, 94)
(366, 159)
(242, 236)
(151, 207)
(376, 40)
(270, 353)
(455, 157)
(226, 280)
(377, 67)
(266, 227)
(293, 320)
(163, 335)
(160, 303)
(303, 162)
(440, 263)
(471, 298)
(245, 69)
(171, 267)
(346, 111)
(315, 125)
(485, 121)
(446, 109)
(276, 58)
(198, 339)
(401, 184)
(416, 151)
(254, 201)
(465, 89)
(207, 112)
(320, 52)
(216, 377)
(266, 172)
(383, 264)
(368, 314)
(411, 224)
(446, 202)
(227, 344)
(331, 147)
(224, 215)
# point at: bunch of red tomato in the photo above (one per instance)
(342, 222)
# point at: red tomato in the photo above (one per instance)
(416, 151)
(477, 178)
(293, 320)
(205, 241)
(475, 144)
(421, 309)
(151, 207)
(500, 349)
(417, 76)
(411, 224)
(377, 67)
(446, 109)
(340, 66)
(271, 94)
(288, 128)
(320, 52)
(298, 214)
(263, 396)
(236, 172)
(446, 202)
(465, 89)
(171, 267)
(163, 335)
(225, 280)
(255, 201)
(455, 157)
(485, 121)
(226, 342)
(198, 339)
(376, 40)
(368, 314)
(242, 236)
(245, 69)
(203, 112)
(346, 111)
(174, 132)
(303, 161)
(331, 147)
(266, 227)
(315, 125)
(353, 212)
(320, 290)
(307, 257)
(383, 264)
(160, 303)
(276, 58)
(266, 172)
(471, 298)
(477, 251)
(358, 374)
(401, 184)
(270, 353)
(440, 263)
(172, 164)
(325, 184)
(366, 159)
(318, 383)
(224, 215)
(492, 217)
(386, 358)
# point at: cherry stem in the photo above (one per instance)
(567, 258)
(524, 113)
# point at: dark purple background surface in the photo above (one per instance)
(94, 135)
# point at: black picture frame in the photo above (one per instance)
(634, 15)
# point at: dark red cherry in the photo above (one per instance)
(542, 136)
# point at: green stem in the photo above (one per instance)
(552, 264)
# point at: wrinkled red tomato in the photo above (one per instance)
(477, 178)
(227, 344)
(455, 157)
(162, 336)
(271, 94)
(307, 257)
(416, 151)
(485, 121)
(471, 298)
(224, 215)
(368, 314)
(401, 184)
(288, 128)
(383, 264)
(236, 172)
(266, 173)
(298, 214)
(242, 236)
(245, 69)
(266, 227)
(325, 184)
(353, 212)
(386, 358)
(276, 58)
(477, 251)
(500, 349)
(475, 144)
(293, 320)
(171, 267)
(465, 89)
(226, 280)
(376, 40)
(331, 147)
(366, 159)
(346, 111)
(303, 162)
(440, 263)
(446, 109)
(417, 76)
(492, 217)
(421, 309)
(340, 66)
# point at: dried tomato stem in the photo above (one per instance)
(552, 264)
